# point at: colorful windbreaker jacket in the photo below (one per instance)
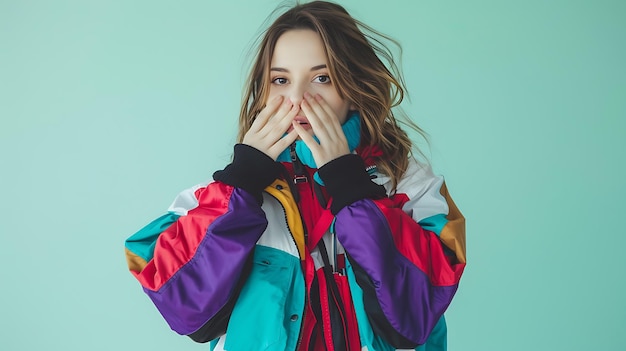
(225, 263)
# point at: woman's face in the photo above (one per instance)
(299, 65)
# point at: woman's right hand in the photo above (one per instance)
(267, 133)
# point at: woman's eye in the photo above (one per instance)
(279, 81)
(322, 79)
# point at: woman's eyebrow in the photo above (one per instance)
(314, 68)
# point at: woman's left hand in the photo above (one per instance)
(326, 127)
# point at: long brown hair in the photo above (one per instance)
(357, 71)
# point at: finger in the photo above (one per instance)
(321, 108)
(327, 109)
(310, 113)
(332, 139)
(266, 113)
(271, 128)
(285, 121)
(315, 106)
(280, 123)
(327, 119)
(318, 126)
(310, 142)
(283, 143)
(332, 125)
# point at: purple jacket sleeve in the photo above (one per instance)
(193, 266)
(407, 274)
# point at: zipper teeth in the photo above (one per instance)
(306, 240)
(299, 342)
(286, 221)
(292, 152)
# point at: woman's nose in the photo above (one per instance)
(296, 94)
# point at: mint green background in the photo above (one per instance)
(109, 108)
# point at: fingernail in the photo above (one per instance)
(318, 97)
(307, 95)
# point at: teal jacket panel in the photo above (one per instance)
(268, 313)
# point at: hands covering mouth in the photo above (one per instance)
(278, 125)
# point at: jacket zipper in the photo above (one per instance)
(299, 177)
(296, 245)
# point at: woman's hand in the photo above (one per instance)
(267, 133)
(326, 127)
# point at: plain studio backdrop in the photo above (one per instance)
(109, 108)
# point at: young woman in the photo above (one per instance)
(323, 233)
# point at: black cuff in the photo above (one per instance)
(251, 170)
(347, 181)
